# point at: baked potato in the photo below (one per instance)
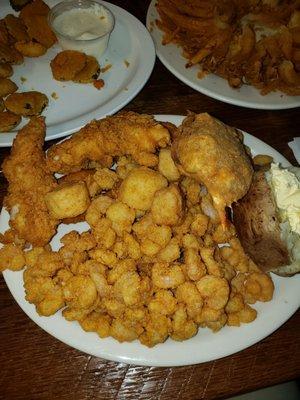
(266, 237)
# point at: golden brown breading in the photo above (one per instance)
(17, 5)
(1, 105)
(4, 38)
(90, 71)
(30, 49)
(66, 65)
(35, 7)
(8, 54)
(26, 104)
(8, 121)
(7, 87)
(138, 135)
(39, 30)
(28, 184)
(16, 28)
(5, 70)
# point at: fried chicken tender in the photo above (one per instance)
(8, 121)
(26, 104)
(29, 182)
(213, 154)
(126, 133)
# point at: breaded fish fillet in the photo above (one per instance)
(25, 170)
(213, 154)
(126, 133)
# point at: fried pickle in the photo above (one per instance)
(8, 54)
(30, 49)
(8, 121)
(16, 28)
(89, 72)
(7, 87)
(26, 104)
(5, 70)
(67, 64)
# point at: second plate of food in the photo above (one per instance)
(203, 347)
(212, 85)
(128, 63)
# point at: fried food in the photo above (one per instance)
(34, 16)
(245, 42)
(1, 105)
(26, 104)
(5, 70)
(67, 64)
(35, 7)
(8, 121)
(127, 133)
(213, 154)
(17, 5)
(30, 49)
(68, 200)
(7, 87)
(29, 182)
(8, 54)
(150, 266)
(89, 73)
(16, 28)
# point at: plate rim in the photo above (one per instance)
(203, 90)
(122, 98)
(136, 359)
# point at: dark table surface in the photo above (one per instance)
(34, 365)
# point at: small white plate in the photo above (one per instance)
(77, 104)
(205, 346)
(212, 85)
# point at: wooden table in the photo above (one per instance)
(36, 366)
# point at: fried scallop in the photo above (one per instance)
(26, 104)
(90, 71)
(7, 87)
(8, 121)
(16, 28)
(30, 49)
(5, 70)
(67, 64)
(8, 54)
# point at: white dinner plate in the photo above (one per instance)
(212, 85)
(205, 346)
(131, 54)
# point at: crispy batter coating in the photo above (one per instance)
(89, 73)
(16, 28)
(28, 183)
(8, 121)
(8, 54)
(26, 104)
(30, 49)
(1, 105)
(7, 87)
(39, 30)
(125, 133)
(17, 5)
(67, 64)
(5, 70)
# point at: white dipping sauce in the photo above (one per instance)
(84, 29)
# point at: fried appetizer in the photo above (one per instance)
(30, 49)
(28, 183)
(68, 200)
(90, 71)
(16, 28)
(7, 87)
(8, 121)
(5, 70)
(26, 104)
(8, 54)
(4, 36)
(39, 30)
(67, 64)
(127, 133)
(213, 154)
(35, 7)
(1, 105)
(17, 5)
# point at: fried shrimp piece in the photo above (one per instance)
(9, 54)
(7, 87)
(67, 64)
(213, 154)
(28, 184)
(126, 133)
(89, 72)
(5, 70)
(16, 28)
(26, 104)
(214, 290)
(8, 121)
(30, 49)
(167, 206)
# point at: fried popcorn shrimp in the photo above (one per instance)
(7, 87)
(105, 178)
(68, 200)
(26, 104)
(11, 257)
(89, 73)
(157, 329)
(80, 292)
(166, 208)
(138, 188)
(166, 276)
(97, 209)
(166, 165)
(214, 290)
(194, 266)
(163, 302)
(188, 294)
(125, 331)
(170, 253)
(5, 70)
(67, 64)
(30, 49)
(183, 328)
(259, 286)
(8, 121)
(96, 322)
(213, 266)
(121, 216)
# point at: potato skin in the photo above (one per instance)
(257, 225)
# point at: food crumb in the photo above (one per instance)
(23, 79)
(127, 63)
(99, 84)
(54, 95)
(106, 68)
